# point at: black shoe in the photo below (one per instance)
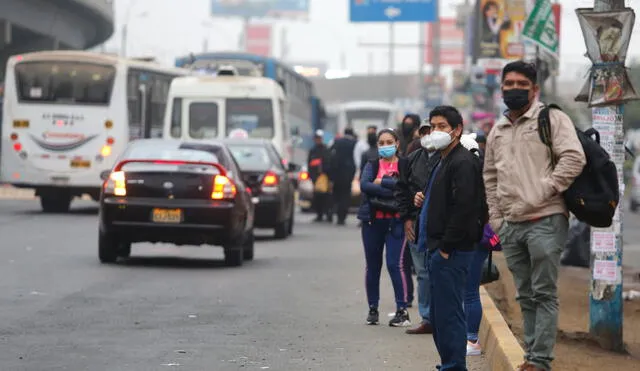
(317, 219)
(373, 317)
(401, 319)
(341, 222)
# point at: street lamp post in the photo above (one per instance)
(125, 27)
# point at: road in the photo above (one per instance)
(299, 306)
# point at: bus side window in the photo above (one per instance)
(176, 118)
(134, 104)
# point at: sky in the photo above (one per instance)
(167, 28)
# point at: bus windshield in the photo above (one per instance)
(253, 115)
(360, 119)
(64, 82)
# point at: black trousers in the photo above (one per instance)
(341, 199)
(322, 204)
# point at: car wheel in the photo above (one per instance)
(234, 256)
(124, 249)
(282, 229)
(55, 202)
(634, 206)
(291, 223)
(107, 248)
(249, 242)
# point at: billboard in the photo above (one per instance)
(499, 26)
(260, 8)
(258, 39)
(451, 43)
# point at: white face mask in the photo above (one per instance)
(440, 139)
(425, 142)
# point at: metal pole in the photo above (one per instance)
(391, 59)
(205, 44)
(123, 41)
(421, 61)
(605, 299)
(284, 46)
(242, 42)
(435, 47)
(369, 63)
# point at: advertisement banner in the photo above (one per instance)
(258, 39)
(500, 25)
(451, 43)
(541, 29)
(607, 36)
(260, 8)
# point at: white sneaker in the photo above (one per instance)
(473, 349)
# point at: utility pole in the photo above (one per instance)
(284, 44)
(435, 45)
(242, 41)
(392, 51)
(421, 61)
(605, 299)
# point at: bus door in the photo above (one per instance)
(144, 97)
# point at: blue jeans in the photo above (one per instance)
(375, 235)
(472, 304)
(448, 278)
(420, 262)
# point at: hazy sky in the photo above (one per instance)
(171, 28)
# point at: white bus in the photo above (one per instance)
(208, 107)
(68, 114)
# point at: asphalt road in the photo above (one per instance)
(299, 306)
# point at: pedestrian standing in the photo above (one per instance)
(343, 170)
(526, 207)
(382, 229)
(318, 163)
(451, 223)
(413, 180)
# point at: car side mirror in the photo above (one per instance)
(294, 167)
(105, 174)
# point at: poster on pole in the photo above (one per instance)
(540, 27)
(499, 29)
(607, 36)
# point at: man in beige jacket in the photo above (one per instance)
(526, 208)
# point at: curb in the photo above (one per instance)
(501, 348)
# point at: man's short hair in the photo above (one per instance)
(450, 113)
(527, 69)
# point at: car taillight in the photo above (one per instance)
(270, 182)
(303, 176)
(115, 185)
(223, 188)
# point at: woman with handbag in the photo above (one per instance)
(490, 242)
(382, 227)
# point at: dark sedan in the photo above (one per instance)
(175, 192)
(273, 189)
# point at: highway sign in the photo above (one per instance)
(393, 10)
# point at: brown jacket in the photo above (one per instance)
(520, 182)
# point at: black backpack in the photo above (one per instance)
(595, 193)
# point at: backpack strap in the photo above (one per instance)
(544, 129)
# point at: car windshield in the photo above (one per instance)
(251, 158)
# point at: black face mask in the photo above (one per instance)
(407, 129)
(372, 139)
(516, 99)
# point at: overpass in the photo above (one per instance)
(31, 25)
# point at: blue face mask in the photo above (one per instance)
(387, 151)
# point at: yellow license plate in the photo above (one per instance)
(20, 123)
(80, 163)
(167, 216)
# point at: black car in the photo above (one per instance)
(272, 186)
(175, 192)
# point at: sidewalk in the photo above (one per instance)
(574, 350)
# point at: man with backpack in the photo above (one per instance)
(525, 182)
